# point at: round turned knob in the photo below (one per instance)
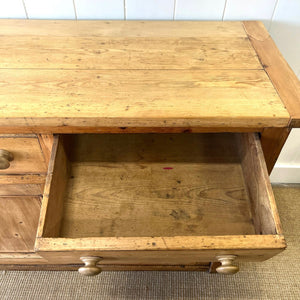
(5, 158)
(90, 268)
(226, 264)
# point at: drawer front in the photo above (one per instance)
(21, 190)
(18, 225)
(27, 155)
(160, 251)
(18, 260)
(164, 257)
(19, 218)
(21, 185)
(22, 179)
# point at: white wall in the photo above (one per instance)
(281, 17)
(287, 168)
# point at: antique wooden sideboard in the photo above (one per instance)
(131, 145)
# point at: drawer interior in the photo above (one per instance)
(143, 185)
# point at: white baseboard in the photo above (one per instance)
(285, 173)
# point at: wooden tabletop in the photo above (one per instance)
(89, 76)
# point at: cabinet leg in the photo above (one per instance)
(272, 141)
(213, 267)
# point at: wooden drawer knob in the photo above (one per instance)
(226, 264)
(90, 268)
(5, 158)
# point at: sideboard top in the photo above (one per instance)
(77, 76)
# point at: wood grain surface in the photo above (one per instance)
(129, 199)
(46, 143)
(140, 192)
(28, 157)
(22, 189)
(119, 184)
(26, 184)
(22, 179)
(52, 204)
(139, 98)
(125, 53)
(18, 223)
(120, 28)
(160, 250)
(264, 211)
(67, 75)
(284, 79)
(14, 259)
(272, 142)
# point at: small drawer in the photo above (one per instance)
(19, 218)
(22, 185)
(158, 199)
(21, 155)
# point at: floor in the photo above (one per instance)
(277, 278)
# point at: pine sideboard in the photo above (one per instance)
(140, 145)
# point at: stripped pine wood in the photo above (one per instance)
(18, 223)
(284, 79)
(126, 182)
(153, 201)
(139, 98)
(22, 179)
(22, 190)
(160, 250)
(159, 148)
(272, 142)
(28, 157)
(264, 211)
(126, 197)
(46, 143)
(124, 129)
(52, 204)
(154, 68)
(121, 29)
(176, 243)
(167, 257)
(17, 185)
(119, 184)
(12, 260)
(102, 53)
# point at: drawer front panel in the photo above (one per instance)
(27, 155)
(160, 250)
(21, 185)
(165, 257)
(12, 260)
(18, 224)
(21, 189)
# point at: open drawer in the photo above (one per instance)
(158, 199)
